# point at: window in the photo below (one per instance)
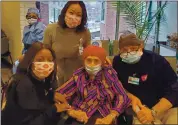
(56, 14)
(103, 11)
(51, 15)
(55, 10)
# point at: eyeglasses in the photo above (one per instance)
(132, 52)
(31, 15)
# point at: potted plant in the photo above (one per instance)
(110, 47)
(138, 15)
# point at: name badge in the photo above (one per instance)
(81, 46)
(133, 80)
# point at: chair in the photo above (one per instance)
(172, 61)
(4, 86)
(5, 47)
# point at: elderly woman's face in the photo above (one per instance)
(73, 16)
(43, 64)
(92, 61)
(92, 65)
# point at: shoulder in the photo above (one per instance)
(50, 30)
(110, 75)
(116, 60)
(154, 57)
(19, 82)
(23, 82)
(86, 31)
(109, 70)
(40, 25)
(79, 71)
(26, 27)
(52, 26)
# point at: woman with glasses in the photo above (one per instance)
(34, 31)
(149, 80)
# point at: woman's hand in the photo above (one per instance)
(62, 107)
(135, 102)
(59, 98)
(145, 116)
(109, 119)
(60, 102)
(78, 115)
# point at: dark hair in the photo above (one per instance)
(26, 63)
(61, 17)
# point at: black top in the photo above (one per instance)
(29, 102)
(156, 78)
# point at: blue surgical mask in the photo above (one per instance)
(131, 59)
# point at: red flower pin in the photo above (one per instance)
(144, 77)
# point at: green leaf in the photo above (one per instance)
(135, 17)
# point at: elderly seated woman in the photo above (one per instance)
(98, 96)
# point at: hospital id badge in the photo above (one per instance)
(81, 46)
(133, 80)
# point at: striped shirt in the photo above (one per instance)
(104, 93)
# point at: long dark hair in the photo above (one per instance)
(25, 65)
(61, 17)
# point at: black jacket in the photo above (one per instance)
(29, 102)
(156, 78)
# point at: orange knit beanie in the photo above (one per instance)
(95, 51)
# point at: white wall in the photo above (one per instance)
(167, 52)
(171, 25)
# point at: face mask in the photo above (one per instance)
(43, 69)
(72, 21)
(93, 70)
(130, 59)
(32, 21)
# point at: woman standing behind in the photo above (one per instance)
(68, 37)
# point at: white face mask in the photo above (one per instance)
(130, 59)
(32, 21)
(93, 70)
(43, 69)
(72, 21)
